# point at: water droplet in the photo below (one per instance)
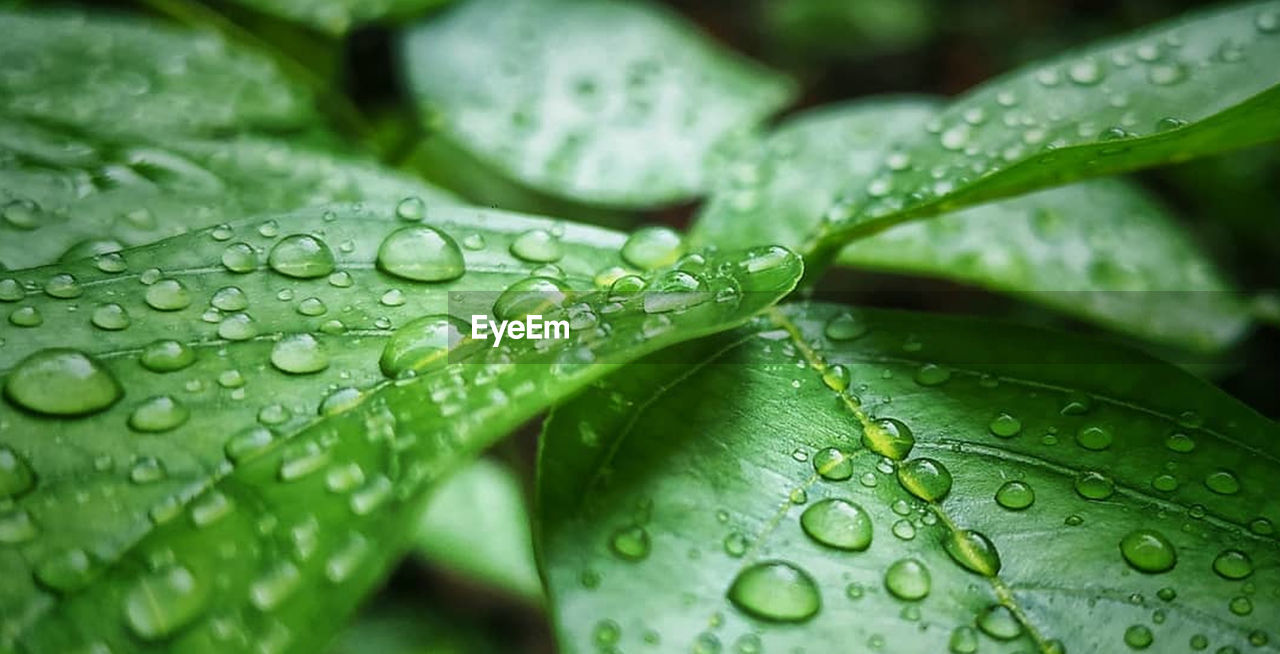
(26, 317)
(606, 633)
(166, 356)
(16, 526)
(110, 317)
(652, 247)
(927, 479)
(159, 413)
(161, 603)
(973, 551)
(63, 286)
(301, 256)
(537, 246)
(62, 382)
(240, 258)
(833, 464)
(274, 587)
(16, 476)
(837, 523)
(531, 296)
(889, 437)
(844, 327)
(630, 543)
(168, 295)
(908, 579)
(964, 640)
(1094, 486)
(237, 327)
(1094, 438)
(1005, 426)
(1233, 564)
(421, 253)
(420, 345)
(66, 570)
(210, 508)
(836, 378)
(1222, 482)
(903, 529)
(1240, 605)
(299, 354)
(1086, 72)
(1180, 442)
(248, 443)
(776, 590)
(1015, 495)
(11, 290)
(735, 544)
(1167, 74)
(411, 209)
(932, 375)
(999, 622)
(1148, 551)
(230, 298)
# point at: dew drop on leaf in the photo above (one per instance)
(927, 479)
(1005, 426)
(908, 579)
(1094, 486)
(1015, 495)
(421, 253)
(1180, 442)
(301, 256)
(65, 570)
(239, 258)
(26, 317)
(16, 526)
(411, 209)
(166, 356)
(1094, 438)
(62, 382)
(889, 437)
(837, 523)
(832, 464)
(531, 296)
(973, 551)
(1222, 482)
(1233, 564)
(168, 295)
(16, 476)
(630, 543)
(299, 354)
(537, 246)
(776, 590)
(652, 247)
(158, 414)
(161, 603)
(932, 375)
(999, 622)
(964, 640)
(1148, 551)
(110, 317)
(844, 327)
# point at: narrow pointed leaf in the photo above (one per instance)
(1102, 249)
(614, 103)
(111, 74)
(197, 430)
(1189, 87)
(815, 480)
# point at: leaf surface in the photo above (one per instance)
(682, 481)
(613, 103)
(1101, 249)
(198, 433)
(1189, 87)
(115, 74)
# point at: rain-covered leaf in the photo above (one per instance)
(477, 524)
(898, 482)
(1101, 249)
(222, 439)
(601, 101)
(1185, 88)
(115, 74)
(63, 197)
(337, 17)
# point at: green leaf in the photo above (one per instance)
(409, 626)
(1185, 88)
(477, 524)
(111, 74)
(605, 102)
(186, 447)
(1102, 250)
(666, 491)
(65, 197)
(337, 17)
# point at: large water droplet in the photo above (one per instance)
(1148, 551)
(420, 345)
(299, 354)
(925, 478)
(833, 464)
(421, 253)
(630, 543)
(168, 295)
(776, 590)
(1015, 495)
(1222, 482)
(1094, 438)
(652, 247)
(166, 356)
(973, 551)
(908, 579)
(531, 296)
(675, 290)
(844, 327)
(537, 246)
(889, 437)
(1094, 486)
(1233, 564)
(240, 258)
(837, 523)
(1005, 426)
(161, 603)
(302, 256)
(62, 382)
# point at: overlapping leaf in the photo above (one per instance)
(1189, 87)
(1100, 249)
(615, 103)
(239, 440)
(818, 479)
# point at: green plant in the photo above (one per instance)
(237, 358)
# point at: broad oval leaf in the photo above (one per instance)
(1102, 249)
(67, 197)
(835, 480)
(1193, 86)
(614, 103)
(114, 74)
(196, 430)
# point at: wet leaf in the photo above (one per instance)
(833, 479)
(1101, 249)
(252, 413)
(612, 103)
(1189, 87)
